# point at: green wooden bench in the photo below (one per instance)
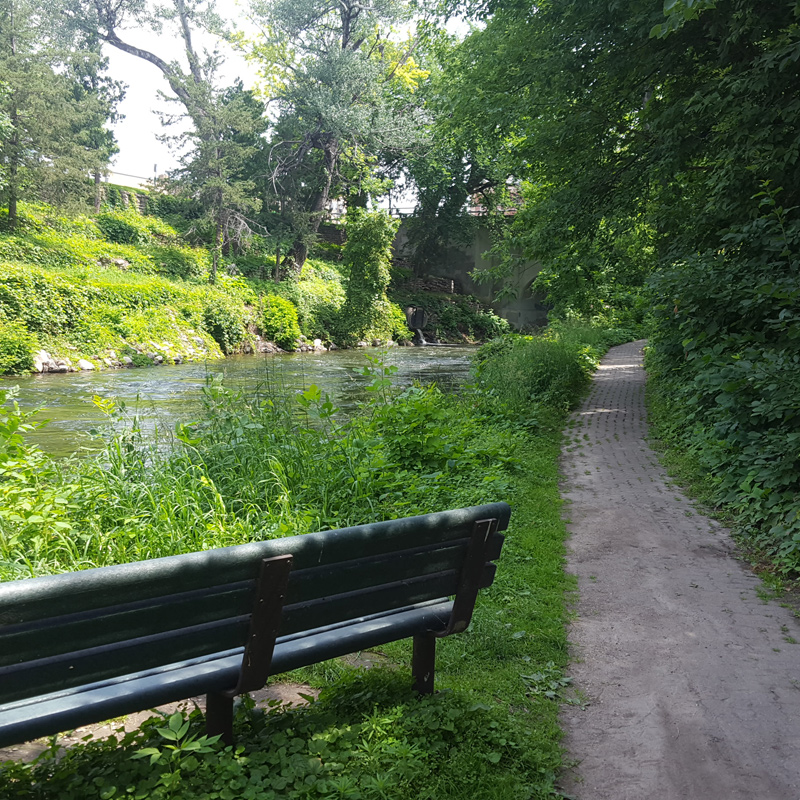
(84, 647)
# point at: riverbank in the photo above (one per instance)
(123, 290)
(254, 468)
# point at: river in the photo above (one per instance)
(165, 395)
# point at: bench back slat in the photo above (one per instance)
(388, 597)
(135, 616)
(34, 598)
(46, 638)
(122, 658)
(311, 587)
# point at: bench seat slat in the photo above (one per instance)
(33, 598)
(65, 710)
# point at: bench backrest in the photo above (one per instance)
(68, 630)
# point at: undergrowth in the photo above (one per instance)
(724, 369)
(454, 317)
(268, 466)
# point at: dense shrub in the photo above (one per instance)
(130, 227)
(524, 373)
(318, 295)
(725, 374)
(123, 227)
(72, 288)
(45, 302)
(17, 345)
(279, 322)
(225, 321)
(369, 737)
(367, 257)
(180, 262)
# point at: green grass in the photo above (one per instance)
(257, 467)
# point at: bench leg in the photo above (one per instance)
(423, 662)
(219, 717)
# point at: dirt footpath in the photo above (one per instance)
(691, 681)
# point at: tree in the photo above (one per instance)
(368, 255)
(558, 92)
(92, 86)
(342, 90)
(219, 117)
(46, 146)
(457, 167)
(632, 150)
(214, 171)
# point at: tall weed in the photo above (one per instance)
(524, 373)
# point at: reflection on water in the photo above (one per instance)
(164, 396)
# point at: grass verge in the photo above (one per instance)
(491, 733)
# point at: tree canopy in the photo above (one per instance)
(55, 98)
(635, 138)
(340, 84)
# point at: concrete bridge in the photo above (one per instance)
(524, 309)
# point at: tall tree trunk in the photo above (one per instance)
(299, 252)
(217, 239)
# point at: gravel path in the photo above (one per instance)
(691, 681)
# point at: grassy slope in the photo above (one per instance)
(122, 284)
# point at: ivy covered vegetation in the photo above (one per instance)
(126, 284)
(269, 466)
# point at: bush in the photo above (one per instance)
(368, 737)
(224, 321)
(17, 345)
(180, 262)
(725, 375)
(367, 256)
(455, 316)
(554, 369)
(130, 227)
(279, 322)
(122, 227)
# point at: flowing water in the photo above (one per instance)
(165, 395)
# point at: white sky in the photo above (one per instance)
(140, 150)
